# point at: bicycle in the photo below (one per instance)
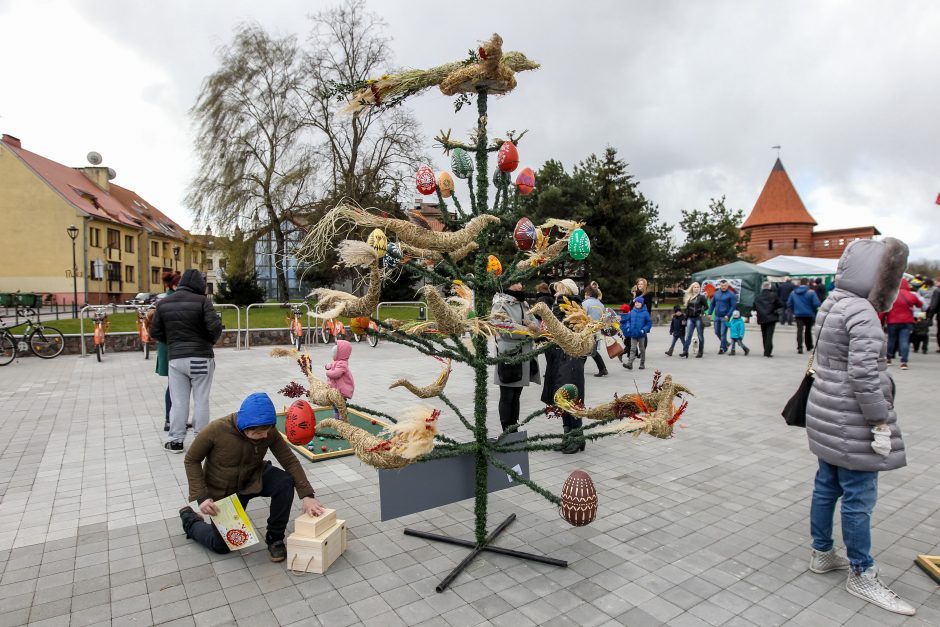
(100, 318)
(332, 329)
(365, 324)
(42, 341)
(295, 326)
(143, 329)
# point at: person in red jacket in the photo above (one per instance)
(900, 322)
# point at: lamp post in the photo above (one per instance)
(73, 233)
(176, 258)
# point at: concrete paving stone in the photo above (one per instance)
(91, 616)
(339, 617)
(51, 609)
(129, 605)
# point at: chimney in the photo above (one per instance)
(96, 174)
(12, 141)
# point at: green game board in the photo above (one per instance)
(328, 438)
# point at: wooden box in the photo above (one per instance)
(314, 526)
(315, 555)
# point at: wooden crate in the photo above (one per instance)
(307, 526)
(315, 555)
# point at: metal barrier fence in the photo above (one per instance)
(289, 305)
(238, 322)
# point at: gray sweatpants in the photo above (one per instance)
(189, 375)
(637, 345)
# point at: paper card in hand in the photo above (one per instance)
(232, 523)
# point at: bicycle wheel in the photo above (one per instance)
(46, 342)
(357, 337)
(297, 340)
(373, 340)
(7, 348)
(99, 348)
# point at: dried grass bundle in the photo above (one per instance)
(339, 303)
(410, 438)
(537, 257)
(356, 254)
(449, 319)
(573, 343)
(434, 255)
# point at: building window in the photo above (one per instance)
(154, 249)
(114, 239)
(96, 270)
(114, 271)
(796, 243)
(129, 274)
(222, 263)
(94, 237)
(770, 244)
(209, 288)
(841, 242)
(129, 243)
(209, 265)
(154, 275)
(826, 243)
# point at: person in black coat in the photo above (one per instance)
(768, 306)
(783, 291)
(820, 288)
(186, 321)
(561, 368)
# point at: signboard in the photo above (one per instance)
(426, 485)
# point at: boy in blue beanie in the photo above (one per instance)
(227, 457)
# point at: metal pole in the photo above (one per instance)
(74, 282)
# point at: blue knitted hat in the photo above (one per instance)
(639, 300)
(257, 410)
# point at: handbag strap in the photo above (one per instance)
(812, 355)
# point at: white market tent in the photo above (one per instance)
(801, 266)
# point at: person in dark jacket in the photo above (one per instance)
(851, 420)
(724, 304)
(227, 458)
(561, 368)
(933, 308)
(170, 281)
(186, 321)
(696, 306)
(783, 291)
(804, 304)
(820, 288)
(676, 328)
(768, 306)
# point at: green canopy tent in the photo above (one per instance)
(749, 274)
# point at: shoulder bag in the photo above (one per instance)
(794, 413)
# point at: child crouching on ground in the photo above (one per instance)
(676, 328)
(736, 329)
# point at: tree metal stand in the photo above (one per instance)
(478, 548)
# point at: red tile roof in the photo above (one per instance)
(778, 203)
(118, 204)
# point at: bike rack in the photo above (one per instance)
(81, 319)
(281, 305)
(238, 322)
(390, 303)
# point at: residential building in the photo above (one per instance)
(779, 224)
(213, 247)
(123, 244)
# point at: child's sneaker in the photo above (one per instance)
(903, 366)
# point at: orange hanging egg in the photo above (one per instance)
(526, 181)
(494, 265)
(445, 183)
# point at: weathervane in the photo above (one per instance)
(777, 148)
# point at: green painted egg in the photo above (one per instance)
(461, 163)
(567, 392)
(579, 244)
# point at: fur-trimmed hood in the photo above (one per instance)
(873, 269)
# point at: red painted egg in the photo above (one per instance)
(578, 499)
(526, 181)
(507, 158)
(425, 180)
(524, 234)
(300, 424)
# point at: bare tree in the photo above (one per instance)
(372, 152)
(256, 162)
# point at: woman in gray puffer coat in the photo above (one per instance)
(509, 307)
(850, 418)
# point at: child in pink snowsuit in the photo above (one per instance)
(338, 375)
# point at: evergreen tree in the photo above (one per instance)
(712, 237)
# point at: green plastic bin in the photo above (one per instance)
(26, 300)
(6, 300)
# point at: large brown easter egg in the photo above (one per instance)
(578, 499)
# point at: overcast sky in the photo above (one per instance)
(692, 94)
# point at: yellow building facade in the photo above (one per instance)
(122, 247)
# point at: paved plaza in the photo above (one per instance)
(708, 528)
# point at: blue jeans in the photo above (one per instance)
(859, 491)
(721, 330)
(899, 339)
(690, 326)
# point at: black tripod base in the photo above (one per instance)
(478, 548)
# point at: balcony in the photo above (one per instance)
(114, 254)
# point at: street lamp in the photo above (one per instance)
(73, 233)
(176, 257)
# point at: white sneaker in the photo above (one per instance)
(866, 585)
(824, 562)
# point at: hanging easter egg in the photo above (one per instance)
(461, 163)
(507, 158)
(579, 244)
(445, 183)
(493, 265)
(359, 324)
(500, 178)
(300, 424)
(425, 180)
(524, 234)
(526, 181)
(378, 242)
(568, 392)
(392, 255)
(578, 499)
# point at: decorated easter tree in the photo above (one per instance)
(461, 278)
